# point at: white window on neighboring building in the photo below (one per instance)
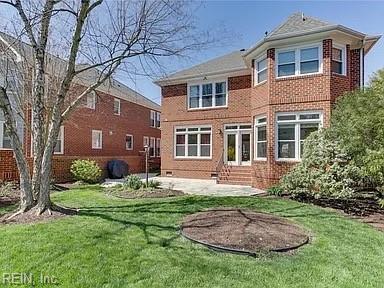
(260, 138)
(129, 142)
(292, 129)
(158, 119)
(59, 147)
(152, 146)
(91, 100)
(299, 61)
(145, 141)
(158, 145)
(207, 95)
(338, 59)
(116, 106)
(5, 139)
(97, 139)
(153, 119)
(261, 70)
(193, 142)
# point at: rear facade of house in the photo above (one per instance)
(114, 122)
(241, 118)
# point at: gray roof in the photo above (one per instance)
(229, 62)
(296, 23)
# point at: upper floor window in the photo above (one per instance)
(59, 147)
(261, 138)
(155, 119)
(338, 60)
(116, 106)
(97, 139)
(261, 70)
(292, 130)
(5, 139)
(299, 61)
(207, 95)
(91, 100)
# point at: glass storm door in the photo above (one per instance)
(231, 150)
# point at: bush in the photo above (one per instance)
(86, 170)
(153, 184)
(373, 166)
(326, 170)
(133, 182)
(7, 188)
(275, 191)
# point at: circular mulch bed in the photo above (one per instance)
(150, 193)
(241, 231)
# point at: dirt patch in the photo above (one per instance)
(144, 193)
(32, 217)
(242, 231)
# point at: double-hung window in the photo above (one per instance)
(145, 141)
(158, 119)
(207, 95)
(193, 142)
(158, 147)
(128, 142)
(338, 60)
(116, 106)
(260, 138)
(59, 147)
(292, 130)
(152, 146)
(261, 70)
(153, 119)
(299, 61)
(97, 139)
(5, 139)
(91, 100)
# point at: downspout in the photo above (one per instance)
(362, 63)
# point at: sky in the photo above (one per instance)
(245, 23)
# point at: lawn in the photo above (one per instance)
(135, 243)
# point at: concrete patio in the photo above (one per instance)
(197, 186)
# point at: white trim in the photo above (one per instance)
(61, 134)
(99, 132)
(296, 49)
(297, 123)
(344, 59)
(200, 85)
(185, 133)
(256, 126)
(256, 72)
(116, 100)
(238, 132)
(145, 139)
(126, 142)
(152, 117)
(2, 124)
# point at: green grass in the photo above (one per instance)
(135, 243)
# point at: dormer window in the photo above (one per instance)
(299, 61)
(207, 95)
(338, 60)
(260, 70)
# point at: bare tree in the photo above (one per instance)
(107, 36)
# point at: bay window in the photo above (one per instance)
(292, 130)
(338, 60)
(207, 95)
(260, 138)
(261, 70)
(193, 142)
(299, 61)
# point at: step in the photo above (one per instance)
(235, 174)
(235, 178)
(233, 182)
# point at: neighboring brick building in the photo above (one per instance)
(242, 117)
(113, 123)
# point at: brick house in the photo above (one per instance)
(115, 122)
(242, 117)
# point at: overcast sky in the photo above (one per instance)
(247, 21)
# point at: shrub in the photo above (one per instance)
(7, 188)
(86, 170)
(373, 166)
(326, 170)
(153, 184)
(133, 182)
(275, 191)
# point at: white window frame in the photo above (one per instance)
(116, 100)
(343, 49)
(186, 133)
(297, 50)
(152, 144)
(126, 142)
(61, 134)
(297, 122)
(91, 100)
(153, 119)
(200, 84)
(99, 132)
(158, 119)
(145, 141)
(256, 72)
(256, 141)
(158, 146)
(2, 125)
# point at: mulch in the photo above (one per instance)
(137, 194)
(242, 231)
